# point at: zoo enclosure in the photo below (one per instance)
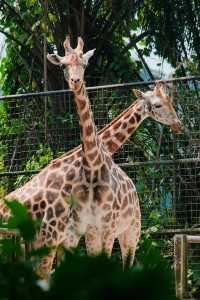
(165, 167)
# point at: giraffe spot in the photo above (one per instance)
(85, 116)
(39, 215)
(90, 145)
(50, 228)
(69, 159)
(107, 217)
(81, 192)
(89, 130)
(28, 204)
(53, 223)
(97, 161)
(124, 125)
(48, 235)
(44, 225)
(106, 206)
(95, 176)
(99, 192)
(137, 224)
(92, 155)
(70, 175)
(120, 136)
(115, 205)
(137, 213)
(112, 147)
(113, 224)
(130, 129)
(106, 134)
(42, 204)
(88, 174)
(59, 209)
(55, 164)
(110, 197)
(104, 173)
(65, 168)
(124, 187)
(38, 196)
(61, 226)
(138, 117)
(77, 163)
(124, 202)
(51, 196)
(54, 235)
(57, 182)
(35, 207)
(81, 103)
(67, 189)
(49, 213)
(117, 125)
(125, 214)
(132, 120)
(127, 115)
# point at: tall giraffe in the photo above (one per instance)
(106, 210)
(44, 193)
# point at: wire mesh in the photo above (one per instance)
(165, 167)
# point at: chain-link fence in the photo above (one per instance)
(35, 128)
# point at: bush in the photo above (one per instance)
(81, 277)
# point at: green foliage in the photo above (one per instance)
(79, 276)
(21, 220)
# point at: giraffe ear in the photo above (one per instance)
(87, 56)
(138, 94)
(56, 59)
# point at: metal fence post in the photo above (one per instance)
(180, 251)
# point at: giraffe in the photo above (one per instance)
(106, 211)
(44, 193)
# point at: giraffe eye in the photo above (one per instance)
(158, 105)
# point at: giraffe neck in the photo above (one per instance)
(123, 126)
(92, 150)
(115, 134)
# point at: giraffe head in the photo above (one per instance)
(74, 62)
(159, 106)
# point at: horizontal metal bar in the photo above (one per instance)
(100, 87)
(122, 165)
(161, 162)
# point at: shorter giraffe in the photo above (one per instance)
(107, 199)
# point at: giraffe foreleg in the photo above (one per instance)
(93, 241)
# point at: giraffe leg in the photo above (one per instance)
(128, 241)
(93, 241)
(107, 242)
(45, 267)
(71, 240)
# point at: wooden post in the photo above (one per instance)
(180, 251)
